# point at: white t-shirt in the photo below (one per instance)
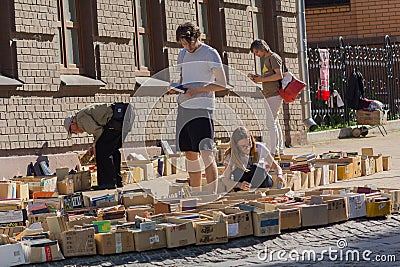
(196, 70)
(262, 151)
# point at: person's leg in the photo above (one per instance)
(194, 169)
(117, 161)
(211, 170)
(105, 167)
(275, 104)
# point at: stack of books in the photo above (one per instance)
(304, 163)
(286, 161)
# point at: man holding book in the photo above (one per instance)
(201, 74)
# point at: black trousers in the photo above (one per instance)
(256, 176)
(108, 158)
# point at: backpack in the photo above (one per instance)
(293, 87)
(355, 90)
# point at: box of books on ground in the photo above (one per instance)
(12, 218)
(265, 223)
(72, 242)
(136, 198)
(289, 216)
(41, 250)
(378, 205)
(14, 255)
(79, 220)
(240, 222)
(71, 201)
(303, 163)
(115, 242)
(178, 232)
(394, 195)
(149, 239)
(82, 180)
(111, 213)
(103, 200)
(144, 211)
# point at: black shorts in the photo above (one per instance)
(194, 129)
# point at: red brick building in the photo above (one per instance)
(60, 56)
(365, 21)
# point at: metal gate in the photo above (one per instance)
(380, 67)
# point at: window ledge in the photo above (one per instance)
(5, 81)
(80, 80)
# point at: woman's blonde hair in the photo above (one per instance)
(235, 152)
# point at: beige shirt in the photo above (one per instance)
(93, 118)
(272, 62)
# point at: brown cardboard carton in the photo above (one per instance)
(114, 242)
(8, 190)
(23, 191)
(210, 232)
(66, 186)
(338, 208)
(378, 208)
(317, 176)
(289, 217)
(378, 163)
(78, 242)
(387, 163)
(162, 207)
(149, 240)
(179, 233)
(56, 224)
(41, 218)
(141, 211)
(345, 172)
(137, 199)
(365, 167)
(304, 180)
(79, 220)
(42, 250)
(367, 151)
(266, 223)
(314, 215)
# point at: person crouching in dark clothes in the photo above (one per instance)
(248, 163)
(107, 125)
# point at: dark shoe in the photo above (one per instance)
(120, 185)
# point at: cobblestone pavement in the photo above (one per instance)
(380, 236)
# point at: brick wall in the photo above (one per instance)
(31, 117)
(362, 19)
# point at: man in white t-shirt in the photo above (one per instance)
(202, 73)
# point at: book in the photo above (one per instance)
(305, 157)
(179, 88)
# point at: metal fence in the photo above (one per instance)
(380, 67)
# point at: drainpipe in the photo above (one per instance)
(302, 48)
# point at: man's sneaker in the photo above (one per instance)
(103, 187)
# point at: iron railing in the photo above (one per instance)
(380, 67)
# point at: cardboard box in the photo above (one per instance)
(240, 222)
(210, 232)
(376, 117)
(395, 198)
(82, 180)
(41, 218)
(317, 176)
(345, 172)
(365, 169)
(314, 215)
(137, 199)
(41, 250)
(372, 168)
(149, 240)
(367, 151)
(304, 180)
(22, 191)
(141, 211)
(266, 223)
(290, 218)
(162, 207)
(387, 163)
(324, 173)
(357, 207)
(56, 224)
(66, 186)
(8, 190)
(338, 208)
(75, 243)
(115, 242)
(179, 233)
(79, 220)
(106, 200)
(148, 170)
(14, 255)
(378, 209)
(378, 163)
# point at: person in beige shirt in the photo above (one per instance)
(105, 122)
(271, 75)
